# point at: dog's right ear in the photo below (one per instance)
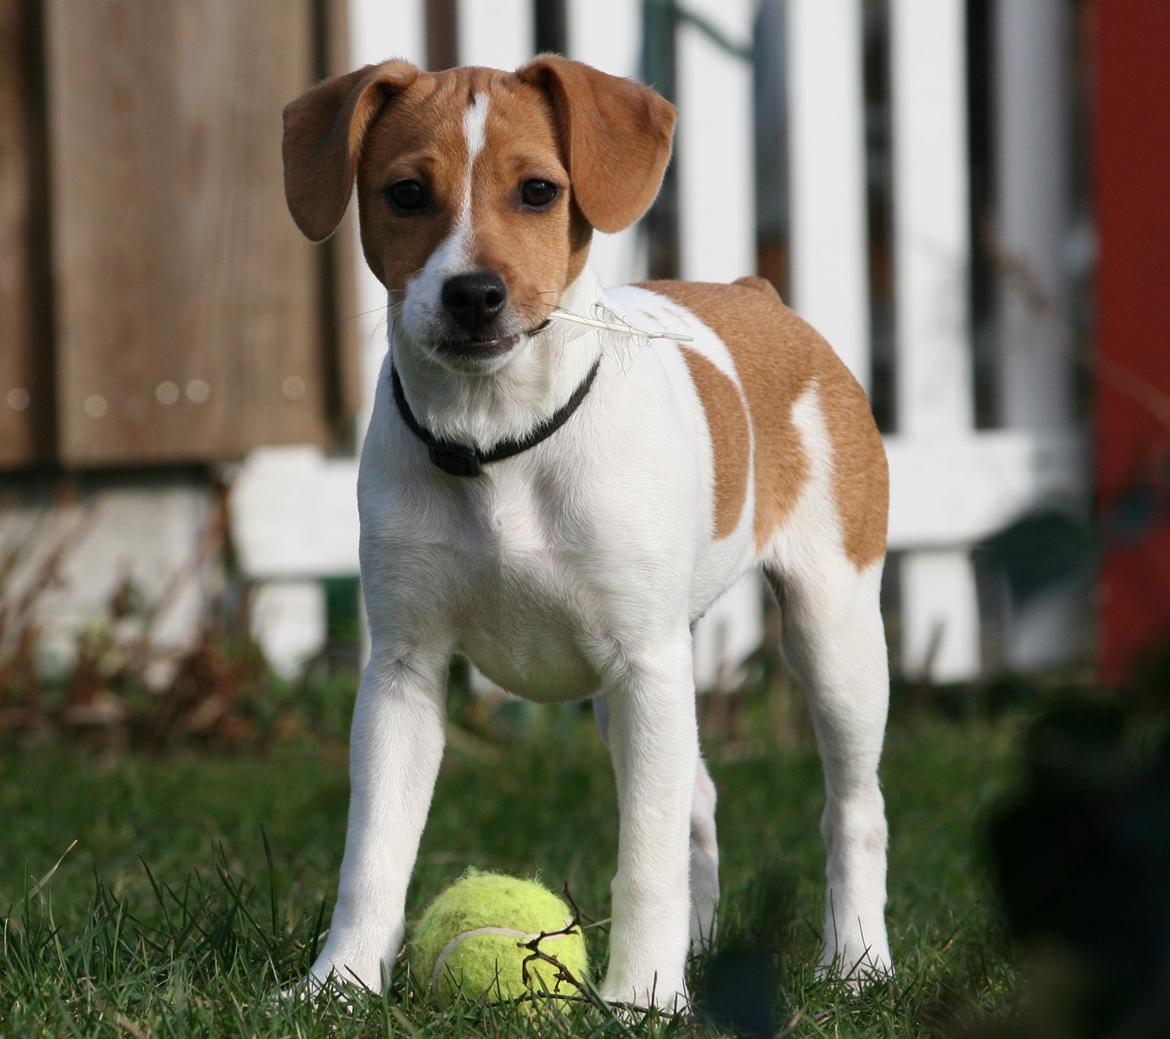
(324, 130)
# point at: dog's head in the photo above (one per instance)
(478, 190)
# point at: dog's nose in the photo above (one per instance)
(475, 299)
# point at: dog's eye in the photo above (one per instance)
(407, 196)
(539, 194)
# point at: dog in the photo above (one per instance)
(561, 503)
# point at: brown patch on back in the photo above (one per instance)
(777, 356)
(730, 442)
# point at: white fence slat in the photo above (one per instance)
(294, 515)
(1035, 349)
(940, 616)
(714, 147)
(826, 105)
(931, 235)
(607, 34)
(932, 264)
(495, 33)
(717, 243)
(288, 620)
(1032, 150)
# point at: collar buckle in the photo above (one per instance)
(454, 459)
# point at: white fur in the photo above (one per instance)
(422, 315)
(578, 567)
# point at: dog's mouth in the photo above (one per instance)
(483, 349)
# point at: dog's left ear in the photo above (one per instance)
(324, 130)
(617, 133)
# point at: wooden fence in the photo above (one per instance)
(955, 481)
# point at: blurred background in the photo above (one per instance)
(967, 197)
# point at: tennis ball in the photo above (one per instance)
(472, 939)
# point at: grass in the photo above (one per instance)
(198, 886)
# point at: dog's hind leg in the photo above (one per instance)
(834, 641)
(704, 845)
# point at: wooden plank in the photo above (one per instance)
(1131, 171)
(189, 307)
(607, 34)
(26, 404)
(495, 33)
(830, 285)
(714, 146)
(952, 492)
(1037, 367)
(940, 621)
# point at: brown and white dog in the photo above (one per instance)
(562, 505)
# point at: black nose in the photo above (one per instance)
(475, 299)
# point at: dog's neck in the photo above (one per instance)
(482, 410)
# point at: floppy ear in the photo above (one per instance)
(323, 133)
(617, 133)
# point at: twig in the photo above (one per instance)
(618, 325)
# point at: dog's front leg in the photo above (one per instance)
(654, 743)
(396, 744)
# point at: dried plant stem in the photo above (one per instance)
(559, 314)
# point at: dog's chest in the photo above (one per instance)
(526, 605)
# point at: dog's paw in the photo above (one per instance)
(856, 967)
(630, 997)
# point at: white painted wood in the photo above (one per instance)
(294, 514)
(148, 528)
(730, 632)
(1032, 88)
(288, 620)
(495, 33)
(607, 34)
(1032, 217)
(830, 286)
(714, 147)
(952, 491)
(940, 616)
(932, 262)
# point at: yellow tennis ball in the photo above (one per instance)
(472, 941)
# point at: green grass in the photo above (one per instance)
(198, 885)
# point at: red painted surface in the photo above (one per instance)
(1132, 176)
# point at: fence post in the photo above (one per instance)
(1035, 349)
(940, 615)
(495, 33)
(830, 285)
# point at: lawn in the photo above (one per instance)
(195, 886)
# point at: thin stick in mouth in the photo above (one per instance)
(559, 314)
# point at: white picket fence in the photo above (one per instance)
(294, 515)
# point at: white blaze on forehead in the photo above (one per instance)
(422, 308)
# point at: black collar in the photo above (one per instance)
(460, 460)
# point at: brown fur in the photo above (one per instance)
(729, 438)
(777, 355)
(617, 136)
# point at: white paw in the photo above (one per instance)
(857, 964)
(671, 998)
